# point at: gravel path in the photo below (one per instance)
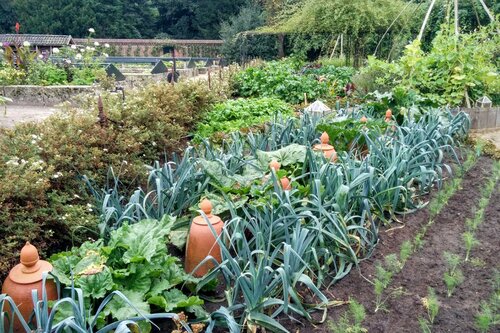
(14, 114)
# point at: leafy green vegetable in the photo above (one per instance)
(135, 261)
(233, 115)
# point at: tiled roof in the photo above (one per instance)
(37, 40)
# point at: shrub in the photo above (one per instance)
(454, 70)
(43, 199)
(46, 74)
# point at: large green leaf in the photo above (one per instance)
(120, 310)
(96, 285)
(288, 155)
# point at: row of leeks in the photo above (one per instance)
(289, 241)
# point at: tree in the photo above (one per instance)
(195, 18)
(7, 20)
(361, 22)
(110, 18)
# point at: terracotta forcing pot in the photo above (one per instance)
(327, 149)
(25, 277)
(201, 241)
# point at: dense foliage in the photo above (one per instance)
(42, 197)
(119, 18)
(313, 233)
(134, 261)
(290, 79)
(456, 71)
(77, 65)
(233, 115)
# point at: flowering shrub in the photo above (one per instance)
(42, 198)
(23, 66)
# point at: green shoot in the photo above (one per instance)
(392, 263)
(431, 304)
(453, 276)
(489, 315)
(351, 320)
(405, 252)
(452, 280)
(424, 325)
(470, 242)
(382, 280)
(452, 260)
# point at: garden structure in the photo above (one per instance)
(228, 205)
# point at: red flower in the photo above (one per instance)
(18, 26)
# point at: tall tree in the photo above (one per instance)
(7, 20)
(195, 18)
(109, 18)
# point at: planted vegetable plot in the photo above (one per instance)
(281, 248)
(297, 221)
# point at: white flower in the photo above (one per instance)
(67, 61)
(33, 142)
(96, 43)
(26, 43)
(73, 47)
(40, 56)
(106, 45)
(105, 55)
(87, 48)
(57, 175)
(78, 56)
(92, 49)
(91, 30)
(55, 50)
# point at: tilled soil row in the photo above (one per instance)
(425, 268)
(457, 313)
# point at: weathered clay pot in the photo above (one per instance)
(25, 277)
(327, 149)
(201, 241)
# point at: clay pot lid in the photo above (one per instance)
(31, 267)
(274, 165)
(206, 207)
(324, 146)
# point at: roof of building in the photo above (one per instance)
(37, 39)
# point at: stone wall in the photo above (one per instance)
(43, 96)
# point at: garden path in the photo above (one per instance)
(14, 114)
(492, 135)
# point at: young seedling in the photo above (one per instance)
(392, 263)
(431, 304)
(489, 315)
(351, 320)
(405, 252)
(453, 276)
(452, 280)
(382, 280)
(470, 242)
